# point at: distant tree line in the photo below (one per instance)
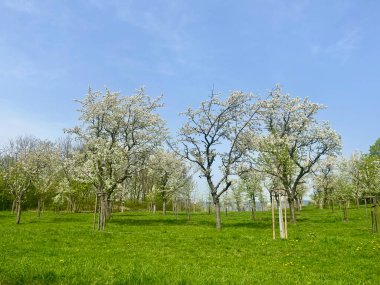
(339, 181)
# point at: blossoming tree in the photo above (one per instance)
(19, 170)
(210, 138)
(292, 141)
(45, 166)
(116, 132)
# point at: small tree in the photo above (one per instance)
(19, 169)
(356, 170)
(343, 187)
(251, 184)
(237, 194)
(45, 161)
(323, 180)
(369, 174)
(171, 175)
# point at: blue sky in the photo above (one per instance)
(51, 51)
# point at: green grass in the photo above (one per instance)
(142, 248)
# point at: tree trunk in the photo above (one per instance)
(95, 208)
(108, 206)
(253, 211)
(292, 210)
(103, 209)
(188, 208)
(296, 204)
(175, 209)
(39, 207)
(300, 202)
(345, 212)
(325, 199)
(375, 219)
(164, 205)
(14, 205)
(18, 209)
(218, 222)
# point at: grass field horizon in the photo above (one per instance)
(143, 248)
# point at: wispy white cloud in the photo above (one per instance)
(342, 49)
(344, 46)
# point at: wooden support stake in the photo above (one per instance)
(96, 204)
(273, 219)
(366, 213)
(285, 220)
(280, 216)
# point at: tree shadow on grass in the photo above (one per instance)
(182, 222)
(129, 214)
(250, 225)
(2, 217)
(146, 222)
(64, 219)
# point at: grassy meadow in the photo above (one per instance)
(142, 248)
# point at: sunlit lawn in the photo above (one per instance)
(142, 248)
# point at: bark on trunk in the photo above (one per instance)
(175, 209)
(188, 209)
(95, 208)
(292, 210)
(345, 211)
(108, 203)
(39, 207)
(300, 202)
(18, 209)
(164, 205)
(325, 200)
(253, 212)
(14, 206)
(103, 211)
(218, 222)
